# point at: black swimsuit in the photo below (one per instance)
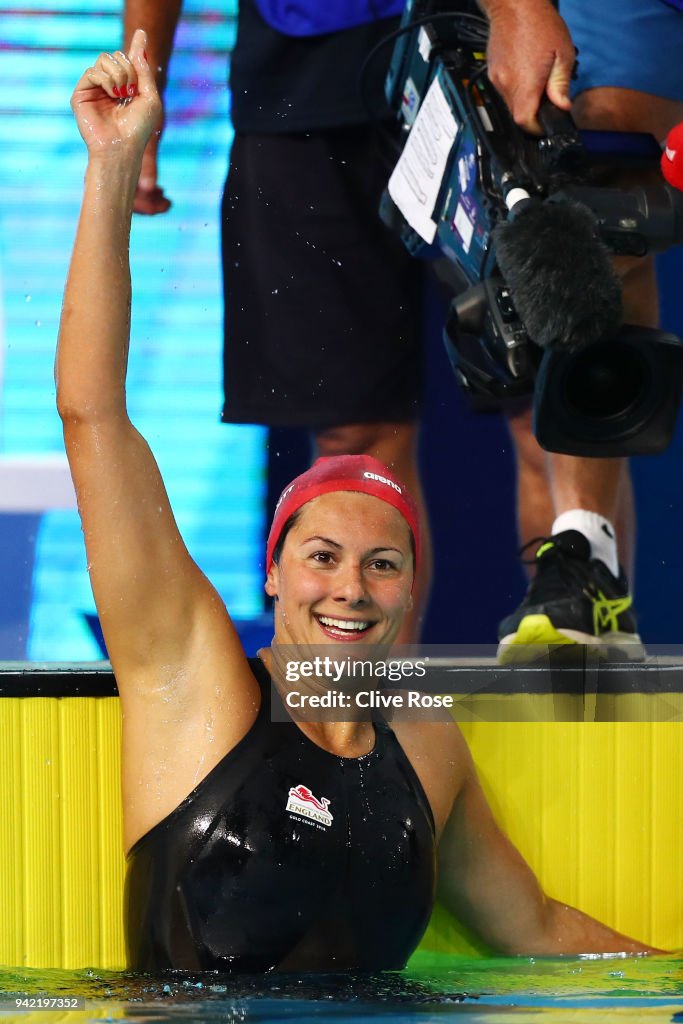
(286, 856)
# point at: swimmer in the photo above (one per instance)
(255, 845)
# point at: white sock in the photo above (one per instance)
(597, 530)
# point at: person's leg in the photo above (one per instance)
(534, 501)
(550, 484)
(604, 485)
(394, 444)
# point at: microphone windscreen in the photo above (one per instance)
(559, 273)
(672, 157)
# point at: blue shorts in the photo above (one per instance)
(630, 44)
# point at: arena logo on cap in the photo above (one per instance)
(284, 494)
(382, 480)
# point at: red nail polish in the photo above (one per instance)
(132, 90)
(116, 92)
(144, 54)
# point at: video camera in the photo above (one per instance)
(536, 307)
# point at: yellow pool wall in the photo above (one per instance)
(595, 807)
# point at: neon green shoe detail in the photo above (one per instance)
(538, 629)
(606, 610)
(535, 634)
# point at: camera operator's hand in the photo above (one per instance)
(530, 52)
(149, 196)
(160, 19)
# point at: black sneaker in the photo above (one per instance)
(572, 599)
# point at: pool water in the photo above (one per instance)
(434, 988)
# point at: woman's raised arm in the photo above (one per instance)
(166, 629)
(93, 338)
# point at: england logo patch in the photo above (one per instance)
(301, 802)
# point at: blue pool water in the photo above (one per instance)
(433, 989)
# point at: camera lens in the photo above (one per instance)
(606, 380)
(612, 398)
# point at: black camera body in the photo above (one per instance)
(465, 172)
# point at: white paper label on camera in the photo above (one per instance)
(416, 180)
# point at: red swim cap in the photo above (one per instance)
(343, 473)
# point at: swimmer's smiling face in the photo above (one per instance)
(345, 572)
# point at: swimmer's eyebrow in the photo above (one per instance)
(325, 540)
(335, 544)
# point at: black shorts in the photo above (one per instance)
(322, 301)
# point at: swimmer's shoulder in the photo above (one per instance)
(182, 732)
(439, 756)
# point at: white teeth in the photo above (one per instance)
(343, 623)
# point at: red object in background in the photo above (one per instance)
(672, 157)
